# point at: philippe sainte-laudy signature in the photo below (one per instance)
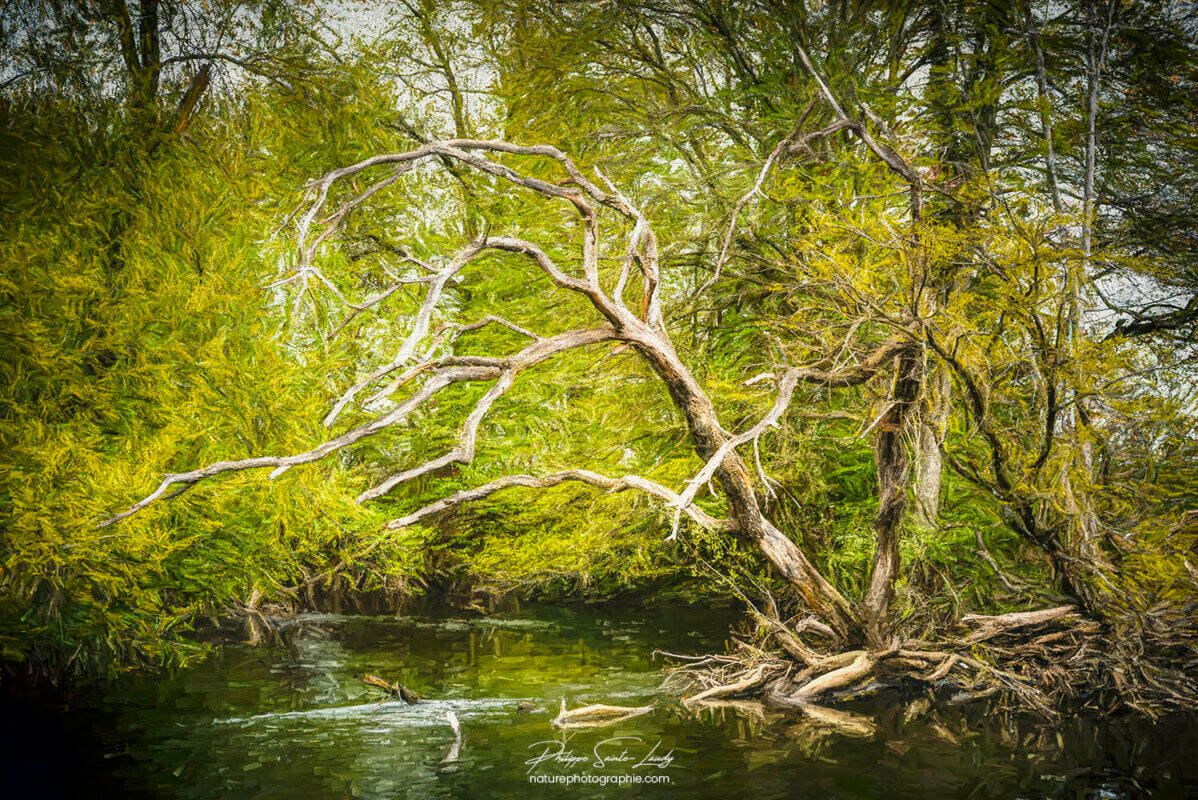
(614, 751)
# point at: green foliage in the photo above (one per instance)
(137, 338)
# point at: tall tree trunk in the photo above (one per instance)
(893, 472)
(1044, 105)
(1083, 507)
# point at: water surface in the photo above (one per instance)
(293, 720)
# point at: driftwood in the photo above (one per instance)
(729, 689)
(456, 748)
(393, 689)
(596, 716)
(987, 626)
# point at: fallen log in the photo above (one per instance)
(990, 626)
(393, 689)
(596, 716)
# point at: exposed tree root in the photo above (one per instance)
(990, 626)
(860, 667)
(1037, 661)
(748, 682)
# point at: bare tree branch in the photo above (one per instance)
(419, 329)
(701, 517)
(464, 452)
(846, 376)
(281, 464)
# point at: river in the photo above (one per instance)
(293, 720)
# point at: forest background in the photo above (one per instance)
(154, 156)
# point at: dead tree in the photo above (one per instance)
(425, 375)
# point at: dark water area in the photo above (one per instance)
(293, 720)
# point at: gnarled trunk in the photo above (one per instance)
(892, 469)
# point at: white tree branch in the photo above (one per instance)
(419, 329)
(789, 380)
(782, 148)
(281, 464)
(701, 518)
(459, 328)
(508, 369)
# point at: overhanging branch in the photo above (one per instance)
(700, 517)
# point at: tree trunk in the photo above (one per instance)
(1087, 518)
(929, 461)
(737, 483)
(892, 468)
(1075, 575)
